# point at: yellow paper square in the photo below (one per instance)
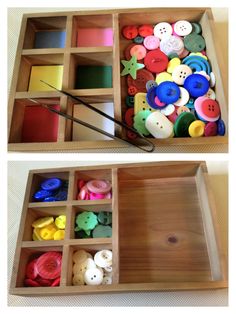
(51, 74)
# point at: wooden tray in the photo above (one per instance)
(71, 56)
(164, 232)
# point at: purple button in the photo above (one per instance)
(210, 129)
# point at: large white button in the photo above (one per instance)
(168, 110)
(159, 126)
(182, 28)
(184, 97)
(82, 267)
(180, 73)
(78, 279)
(103, 258)
(93, 276)
(162, 30)
(107, 280)
(79, 256)
(172, 44)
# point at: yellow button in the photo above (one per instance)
(173, 63)
(198, 54)
(36, 235)
(163, 77)
(140, 103)
(59, 235)
(196, 128)
(42, 222)
(60, 222)
(47, 233)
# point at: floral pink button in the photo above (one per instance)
(151, 42)
(139, 51)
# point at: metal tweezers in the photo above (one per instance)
(90, 126)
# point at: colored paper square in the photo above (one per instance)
(89, 76)
(39, 125)
(51, 74)
(94, 37)
(50, 39)
(81, 133)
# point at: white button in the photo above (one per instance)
(79, 256)
(108, 269)
(168, 110)
(82, 267)
(78, 279)
(159, 126)
(93, 276)
(103, 258)
(211, 94)
(180, 73)
(172, 44)
(212, 79)
(184, 97)
(182, 28)
(162, 30)
(107, 281)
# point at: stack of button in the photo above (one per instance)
(52, 190)
(44, 271)
(89, 270)
(94, 190)
(170, 83)
(93, 225)
(47, 229)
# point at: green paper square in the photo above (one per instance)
(89, 76)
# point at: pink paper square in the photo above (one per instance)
(94, 37)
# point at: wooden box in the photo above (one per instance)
(107, 54)
(164, 231)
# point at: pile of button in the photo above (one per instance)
(44, 271)
(93, 225)
(47, 229)
(94, 190)
(52, 190)
(170, 82)
(91, 270)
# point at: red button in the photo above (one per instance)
(210, 108)
(132, 90)
(145, 30)
(140, 83)
(49, 265)
(210, 129)
(131, 135)
(127, 51)
(156, 61)
(129, 116)
(130, 32)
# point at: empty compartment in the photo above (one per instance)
(97, 184)
(58, 186)
(50, 227)
(90, 70)
(161, 229)
(79, 268)
(45, 32)
(35, 68)
(33, 123)
(99, 226)
(92, 31)
(47, 275)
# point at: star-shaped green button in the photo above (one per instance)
(131, 67)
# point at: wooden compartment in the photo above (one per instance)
(101, 54)
(164, 230)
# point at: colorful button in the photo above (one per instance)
(182, 109)
(210, 129)
(200, 54)
(105, 218)
(180, 73)
(86, 221)
(151, 99)
(159, 126)
(182, 28)
(138, 51)
(51, 184)
(101, 231)
(162, 30)
(173, 117)
(163, 77)
(60, 222)
(194, 42)
(156, 61)
(210, 110)
(42, 222)
(130, 31)
(145, 30)
(151, 42)
(197, 64)
(172, 44)
(140, 103)
(196, 128)
(99, 186)
(220, 127)
(93, 277)
(139, 122)
(168, 92)
(131, 67)
(182, 124)
(196, 84)
(49, 265)
(173, 63)
(103, 258)
(183, 98)
(159, 104)
(150, 84)
(140, 82)
(129, 116)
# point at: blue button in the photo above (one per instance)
(220, 127)
(150, 97)
(197, 85)
(138, 40)
(51, 184)
(197, 63)
(41, 194)
(150, 84)
(168, 92)
(61, 195)
(50, 199)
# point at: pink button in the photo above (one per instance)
(207, 113)
(210, 129)
(96, 196)
(138, 51)
(151, 42)
(184, 54)
(158, 102)
(99, 186)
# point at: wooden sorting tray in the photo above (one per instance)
(107, 54)
(164, 231)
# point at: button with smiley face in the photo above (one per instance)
(162, 30)
(180, 73)
(159, 126)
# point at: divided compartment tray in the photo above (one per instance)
(164, 230)
(81, 58)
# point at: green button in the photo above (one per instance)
(139, 121)
(182, 124)
(86, 221)
(129, 101)
(102, 232)
(105, 218)
(194, 42)
(196, 28)
(81, 235)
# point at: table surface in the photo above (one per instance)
(221, 25)
(17, 177)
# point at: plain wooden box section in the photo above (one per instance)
(71, 56)
(164, 231)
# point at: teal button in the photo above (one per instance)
(105, 218)
(102, 232)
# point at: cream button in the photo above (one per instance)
(82, 267)
(180, 73)
(168, 110)
(211, 94)
(79, 256)
(107, 280)
(78, 279)
(159, 126)
(182, 28)
(212, 79)
(93, 277)
(184, 97)
(108, 269)
(162, 30)
(103, 258)
(182, 109)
